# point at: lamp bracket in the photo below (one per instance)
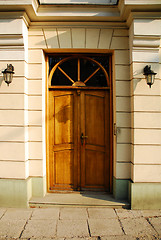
(147, 70)
(10, 67)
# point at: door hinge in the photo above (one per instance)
(115, 129)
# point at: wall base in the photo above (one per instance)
(121, 189)
(38, 186)
(17, 193)
(145, 195)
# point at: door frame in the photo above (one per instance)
(112, 105)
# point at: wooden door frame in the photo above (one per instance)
(112, 105)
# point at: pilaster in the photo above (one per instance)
(14, 164)
(145, 109)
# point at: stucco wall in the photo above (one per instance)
(146, 102)
(13, 101)
(146, 114)
(22, 104)
(134, 35)
(87, 38)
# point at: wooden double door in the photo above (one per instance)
(79, 139)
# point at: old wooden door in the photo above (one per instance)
(79, 122)
(94, 153)
(63, 140)
(79, 140)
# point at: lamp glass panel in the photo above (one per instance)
(9, 77)
(150, 79)
(5, 76)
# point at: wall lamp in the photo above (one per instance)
(149, 75)
(8, 74)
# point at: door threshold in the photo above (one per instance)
(80, 199)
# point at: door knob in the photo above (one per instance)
(82, 138)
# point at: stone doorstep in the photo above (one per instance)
(77, 200)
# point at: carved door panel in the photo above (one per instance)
(95, 148)
(79, 140)
(62, 140)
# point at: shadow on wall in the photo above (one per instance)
(65, 38)
(1, 77)
(135, 82)
(1, 80)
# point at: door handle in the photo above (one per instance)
(82, 137)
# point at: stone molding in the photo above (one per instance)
(13, 28)
(146, 42)
(11, 40)
(15, 15)
(75, 11)
(141, 2)
(141, 38)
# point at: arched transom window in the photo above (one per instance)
(79, 71)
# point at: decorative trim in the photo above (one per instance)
(142, 15)
(11, 40)
(78, 24)
(16, 15)
(146, 41)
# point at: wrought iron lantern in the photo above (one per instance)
(8, 74)
(149, 74)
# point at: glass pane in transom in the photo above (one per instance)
(79, 70)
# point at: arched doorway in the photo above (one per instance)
(79, 126)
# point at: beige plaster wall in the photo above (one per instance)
(22, 104)
(88, 38)
(14, 162)
(145, 101)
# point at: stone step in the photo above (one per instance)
(83, 199)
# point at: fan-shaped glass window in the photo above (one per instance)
(79, 71)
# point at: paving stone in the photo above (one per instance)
(137, 227)
(151, 213)
(2, 211)
(45, 213)
(104, 227)
(124, 237)
(137, 213)
(9, 238)
(14, 238)
(148, 237)
(42, 238)
(2, 238)
(11, 228)
(101, 213)
(125, 213)
(55, 238)
(72, 228)
(73, 213)
(156, 222)
(40, 229)
(84, 238)
(17, 214)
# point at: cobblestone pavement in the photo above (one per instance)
(79, 223)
